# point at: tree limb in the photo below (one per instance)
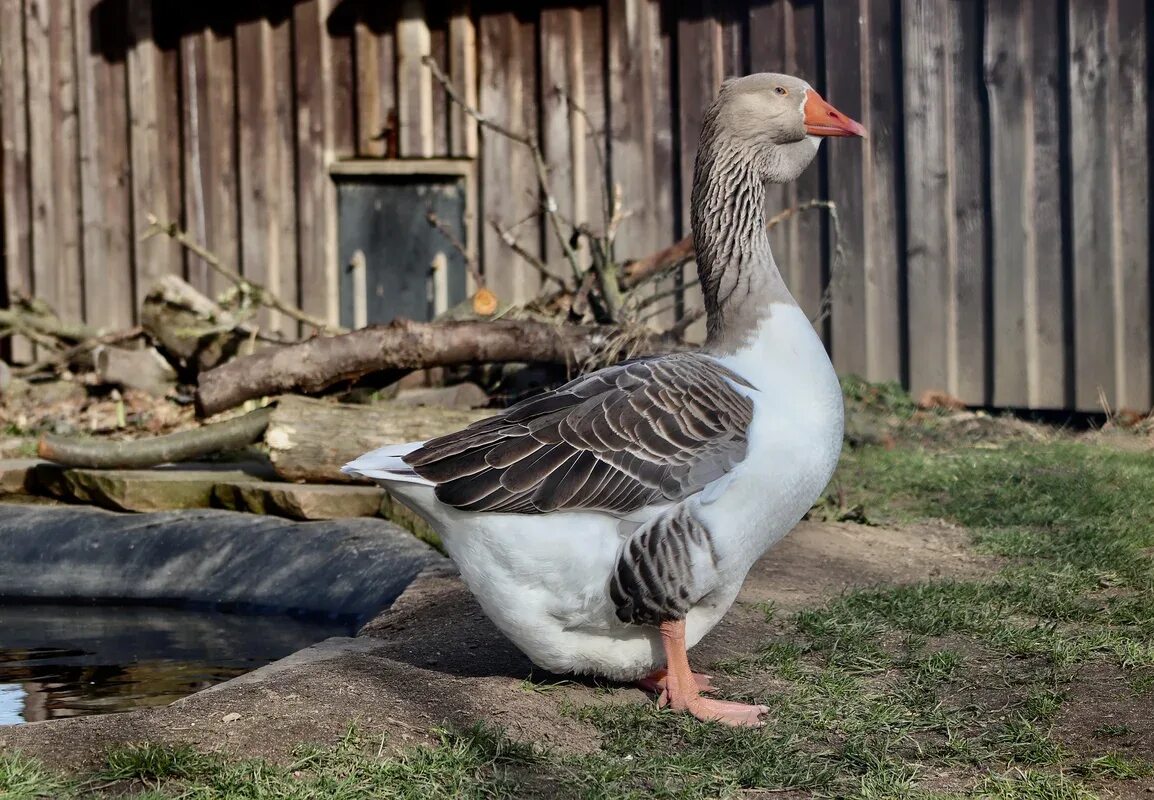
(316, 364)
(217, 437)
(261, 294)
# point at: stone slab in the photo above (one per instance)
(298, 500)
(160, 489)
(16, 476)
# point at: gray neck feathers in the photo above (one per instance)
(739, 277)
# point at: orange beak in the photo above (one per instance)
(822, 119)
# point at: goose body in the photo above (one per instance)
(543, 579)
(606, 526)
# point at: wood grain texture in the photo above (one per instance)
(154, 135)
(1021, 62)
(49, 48)
(210, 168)
(965, 135)
(507, 94)
(1131, 218)
(846, 82)
(105, 196)
(316, 196)
(640, 131)
(931, 313)
(414, 81)
(463, 74)
(700, 71)
(881, 201)
(1092, 190)
(14, 163)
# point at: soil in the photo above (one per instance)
(433, 659)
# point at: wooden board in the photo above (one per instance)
(462, 69)
(154, 135)
(105, 196)
(931, 312)
(56, 234)
(1027, 324)
(316, 196)
(210, 170)
(701, 69)
(414, 81)
(846, 84)
(507, 95)
(375, 65)
(14, 163)
(266, 136)
(641, 138)
(966, 146)
(1131, 218)
(881, 201)
(1093, 188)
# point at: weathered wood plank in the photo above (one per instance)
(14, 163)
(414, 81)
(507, 95)
(343, 112)
(846, 81)
(283, 267)
(1021, 62)
(931, 312)
(639, 125)
(1131, 220)
(700, 66)
(255, 157)
(1047, 318)
(51, 68)
(315, 197)
(881, 200)
(592, 129)
(563, 140)
(771, 43)
(803, 266)
(439, 50)
(154, 134)
(968, 177)
(105, 197)
(375, 50)
(210, 154)
(1095, 337)
(463, 74)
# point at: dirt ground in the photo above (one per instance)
(434, 658)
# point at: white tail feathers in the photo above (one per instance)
(387, 464)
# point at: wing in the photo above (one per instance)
(647, 431)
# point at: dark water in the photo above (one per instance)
(65, 661)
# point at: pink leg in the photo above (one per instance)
(683, 694)
(657, 681)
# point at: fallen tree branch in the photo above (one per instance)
(316, 364)
(67, 358)
(262, 294)
(218, 437)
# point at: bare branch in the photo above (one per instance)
(260, 293)
(470, 262)
(511, 242)
(524, 139)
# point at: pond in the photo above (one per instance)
(71, 660)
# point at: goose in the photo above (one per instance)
(607, 525)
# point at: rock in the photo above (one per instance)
(146, 369)
(299, 501)
(461, 395)
(349, 567)
(16, 476)
(161, 489)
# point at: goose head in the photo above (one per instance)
(776, 121)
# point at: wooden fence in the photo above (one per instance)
(992, 235)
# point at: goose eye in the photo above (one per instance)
(781, 90)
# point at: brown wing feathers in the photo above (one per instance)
(647, 431)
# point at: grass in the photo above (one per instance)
(932, 690)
